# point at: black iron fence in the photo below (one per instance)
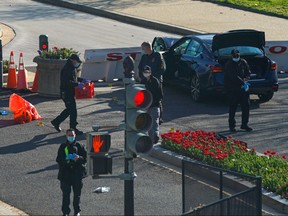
(209, 190)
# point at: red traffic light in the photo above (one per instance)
(139, 98)
(43, 42)
(44, 46)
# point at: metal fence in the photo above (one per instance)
(209, 190)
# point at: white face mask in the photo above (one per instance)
(146, 75)
(236, 59)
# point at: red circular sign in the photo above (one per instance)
(277, 49)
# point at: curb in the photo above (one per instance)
(6, 209)
(270, 199)
(145, 23)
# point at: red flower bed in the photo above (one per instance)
(229, 153)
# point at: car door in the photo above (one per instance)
(173, 56)
(189, 61)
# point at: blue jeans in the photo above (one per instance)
(154, 131)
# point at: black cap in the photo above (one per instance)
(75, 57)
(235, 52)
(147, 68)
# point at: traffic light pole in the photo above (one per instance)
(129, 188)
(128, 170)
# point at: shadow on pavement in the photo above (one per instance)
(52, 167)
(37, 141)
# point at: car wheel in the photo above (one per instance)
(266, 97)
(195, 88)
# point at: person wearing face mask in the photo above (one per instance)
(71, 158)
(153, 85)
(236, 75)
(157, 64)
(68, 81)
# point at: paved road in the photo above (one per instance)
(65, 28)
(29, 154)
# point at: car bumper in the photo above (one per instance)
(259, 88)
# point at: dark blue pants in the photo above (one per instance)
(76, 185)
(235, 98)
(70, 110)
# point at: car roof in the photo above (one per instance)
(206, 38)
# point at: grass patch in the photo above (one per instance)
(279, 7)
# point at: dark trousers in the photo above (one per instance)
(66, 190)
(161, 101)
(70, 110)
(235, 98)
(161, 109)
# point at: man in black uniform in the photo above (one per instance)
(67, 84)
(153, 85)
(236, 75)
(71, 158)
(156, 62)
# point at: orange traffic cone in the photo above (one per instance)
(35, 82)
(12, 79)
(22, 79)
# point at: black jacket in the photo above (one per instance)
(68, 80)
(153, 85)
(155, 61)
(69, 169)
(235, 74)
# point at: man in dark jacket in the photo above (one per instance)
(236, 75)
(68, 81)
(156, 62)
(71, 158)
(153, 85)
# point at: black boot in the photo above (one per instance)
(56, 126)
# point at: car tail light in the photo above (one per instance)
(275, 87)
(215, 68)
(273, 66)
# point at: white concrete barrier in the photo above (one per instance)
(107, 64)
(278, 52)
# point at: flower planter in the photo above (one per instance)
(49, 71)
(269, 199)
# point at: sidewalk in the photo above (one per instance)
(6, 34)
(194, 15)
(190, 15)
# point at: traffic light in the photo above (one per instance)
(43, 42)
(137, 120)
(99, 161)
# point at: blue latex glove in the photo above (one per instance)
(85, 80)
(245, 86)
(80, 85)
(71, 156)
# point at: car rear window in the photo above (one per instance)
(244, 51)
